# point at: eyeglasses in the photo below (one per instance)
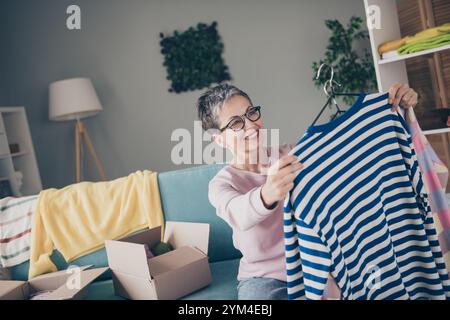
(237, 123)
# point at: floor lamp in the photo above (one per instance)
(73, 100)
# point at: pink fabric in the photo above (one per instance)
(257, 231)
(444, 220)
(432, 181)
(435, 177)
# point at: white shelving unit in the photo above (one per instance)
(387, 72)
(14, 130)
(412, 55)
(436, 131)
(391, 70)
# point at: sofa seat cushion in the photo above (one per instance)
(223, 286)
(224, 282)
(184, 197)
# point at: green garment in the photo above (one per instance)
(426, 44)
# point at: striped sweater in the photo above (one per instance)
(359, 212)
(16, 215)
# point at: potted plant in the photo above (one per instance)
(352, 69)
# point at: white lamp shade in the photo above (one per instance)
(72, 99)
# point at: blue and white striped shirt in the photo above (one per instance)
(359, 211)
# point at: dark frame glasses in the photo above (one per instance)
(237, 123)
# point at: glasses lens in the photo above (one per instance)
(253, 113)
(236, 124)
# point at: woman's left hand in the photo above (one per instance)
(402, 95)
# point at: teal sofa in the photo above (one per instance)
(184, 197)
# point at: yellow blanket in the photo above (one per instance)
(77, 219)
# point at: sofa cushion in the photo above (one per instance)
(184, 197)
(223, 286)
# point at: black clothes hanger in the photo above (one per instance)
(332, 94)
(339, 110)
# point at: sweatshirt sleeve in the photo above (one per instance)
(240, 211)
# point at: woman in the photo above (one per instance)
(248, 193)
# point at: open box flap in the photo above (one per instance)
(174, 260)
(180, 234)
(50, 281)
(127, 257)
(73, 285)
(60, 273)
(7, 286)
(149, 236)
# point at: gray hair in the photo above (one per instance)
(210, 103)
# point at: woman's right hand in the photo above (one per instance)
(280, 180)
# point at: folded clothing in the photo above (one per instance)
(422, 35)
(40, 295)
(427, 44)
(161, 248)
(429, 33)
(391, 45)
(157, 250)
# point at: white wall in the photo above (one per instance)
(269, 48)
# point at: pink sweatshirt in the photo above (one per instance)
(257, 231)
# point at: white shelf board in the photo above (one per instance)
(436, 131)
(18, 154)
(412, 55)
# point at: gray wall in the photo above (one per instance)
(269, 48)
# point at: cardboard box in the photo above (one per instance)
(61, 283)
(165, 277)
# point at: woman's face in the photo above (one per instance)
(244, 140)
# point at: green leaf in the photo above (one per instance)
(353, 71)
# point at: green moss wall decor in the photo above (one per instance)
(193, 58)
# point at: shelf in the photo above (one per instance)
(18, 154)
(412, 55)
(436, 131)
(13, 155)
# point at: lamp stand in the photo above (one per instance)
(80, 134)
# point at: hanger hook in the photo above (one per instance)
(329, 85)
(330, 81)
(320, 70)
